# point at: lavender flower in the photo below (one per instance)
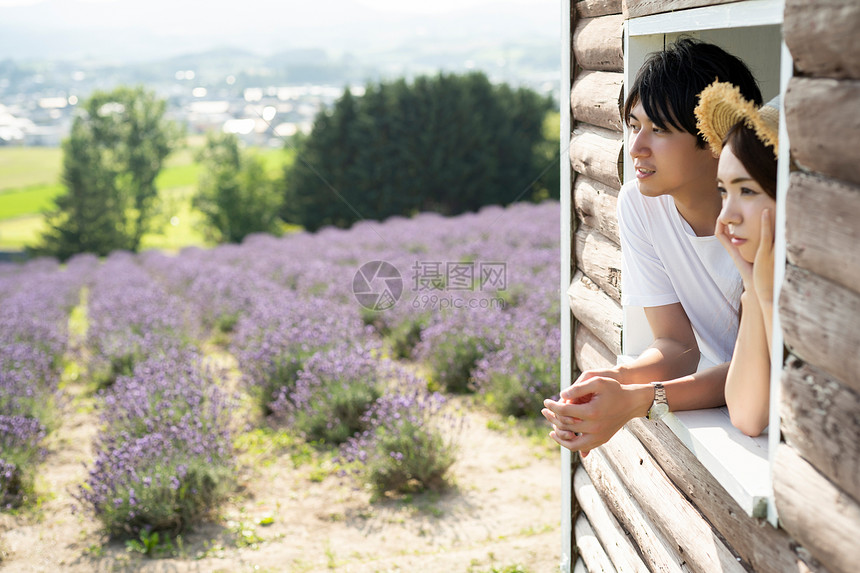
(410, 443)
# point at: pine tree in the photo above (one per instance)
(111, 158)
(445, 143)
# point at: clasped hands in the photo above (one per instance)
(590, 411)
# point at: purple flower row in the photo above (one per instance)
(131, 317)
(37, 298)
(295, 325)
(164, 455)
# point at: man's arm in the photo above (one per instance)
(674, 352)
(590, 413)
(599, 403)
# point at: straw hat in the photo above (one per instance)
(721, 106)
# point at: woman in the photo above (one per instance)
(745, 138)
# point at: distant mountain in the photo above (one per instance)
(122, 31)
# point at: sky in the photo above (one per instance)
(123, 28)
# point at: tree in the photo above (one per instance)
(235, 195)
(117, 146)
(445, 143)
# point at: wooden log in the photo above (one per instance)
(822, 230)
(765, 549)
(588, 546)
(595, 98)
(822, 37)
(614, 540)
(824, 126)
(594, 8)
(819, 322)
(666, 507)
(596, 205)
(821, 421)
(598, 44)
(596, 310)
(600, 260)
(596, 153)
(823, 518)
(636, 8)
(590, 352)
(580, 567)
(658, 552)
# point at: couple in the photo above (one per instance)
(697, 244)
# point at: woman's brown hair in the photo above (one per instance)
(757, 158)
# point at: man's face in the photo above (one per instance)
(667, 161)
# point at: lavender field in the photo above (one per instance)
(366, 348)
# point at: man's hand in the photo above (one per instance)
(591, 411)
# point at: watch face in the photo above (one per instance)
(658, 411)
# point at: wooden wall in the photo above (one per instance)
(595, 152)
(817, 474)
(645, 502)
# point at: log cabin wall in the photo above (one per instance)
(644, 502)
(817, 468)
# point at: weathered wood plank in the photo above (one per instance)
(821, 421)
(594, 8)
(823, 518)
(806, 24)
(765, 549)
(823, 227)
(598, 44)
(595, 558)
(614, 540)
(666, 507)
(636, 8)
(819, 322)
(824, 125)
(595, 98)
(580, 567)
(658, 551)
(596, 310)
(596, 153)
(600, 260)
(590, 352)
(596, 205)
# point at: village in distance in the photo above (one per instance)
(262, 99)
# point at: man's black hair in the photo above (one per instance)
(669, 82)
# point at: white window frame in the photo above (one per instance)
(742, 465)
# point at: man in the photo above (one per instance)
(674, 266)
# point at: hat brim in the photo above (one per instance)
(721, 107)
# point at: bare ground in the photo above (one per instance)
(503, 511)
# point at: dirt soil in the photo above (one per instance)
(503, 511)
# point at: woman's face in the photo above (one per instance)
(743, 202)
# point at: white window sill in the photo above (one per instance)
(738, 462)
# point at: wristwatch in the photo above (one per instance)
(659, 407)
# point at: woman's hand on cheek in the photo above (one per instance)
(763, 265)
(744, 268)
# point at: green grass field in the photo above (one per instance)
(22, 167)
(30, 180)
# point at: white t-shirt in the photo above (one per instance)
(664, 262)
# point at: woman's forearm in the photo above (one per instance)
(767, 317)
(748, 378)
